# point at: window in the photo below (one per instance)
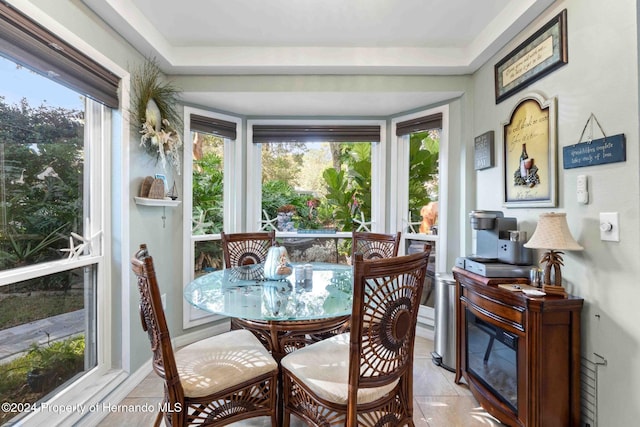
(49, 237)
(423, 179)
(211, 195)
(316, 178)
(55, 133)
(419, 158)
(323, 174)
(316, 185)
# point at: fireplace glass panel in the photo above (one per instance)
(492, 358)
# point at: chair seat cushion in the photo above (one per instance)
(324, 368)
(213, 364)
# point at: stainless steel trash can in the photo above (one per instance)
(444, 343)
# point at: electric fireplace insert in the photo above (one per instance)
(492, 355)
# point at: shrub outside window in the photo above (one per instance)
(316, 186)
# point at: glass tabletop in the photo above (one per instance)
(243, 292)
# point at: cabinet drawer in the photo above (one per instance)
(509, 315)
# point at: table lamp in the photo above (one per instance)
(552, 233)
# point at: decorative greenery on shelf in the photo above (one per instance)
(155, 115)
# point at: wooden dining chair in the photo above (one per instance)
(363, 378)
(246, 248)
(212, 382)
(375, 245)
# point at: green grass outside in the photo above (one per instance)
(20, 309)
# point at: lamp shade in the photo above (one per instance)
(553, 233)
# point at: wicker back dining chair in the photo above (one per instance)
(363, 378)
(212, 382)
(246, 248)
(375, 245)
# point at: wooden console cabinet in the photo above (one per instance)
(548, 350)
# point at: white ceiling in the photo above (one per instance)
(257, 37)
(367, 104)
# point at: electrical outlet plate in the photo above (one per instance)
(609, 226)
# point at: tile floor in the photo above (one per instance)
(438, 401)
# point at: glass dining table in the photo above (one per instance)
(284, 314)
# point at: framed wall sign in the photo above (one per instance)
(530, 165)
(540, 54)
(483, 146)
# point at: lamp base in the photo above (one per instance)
(554, 290)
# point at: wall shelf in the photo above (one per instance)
(145, 201)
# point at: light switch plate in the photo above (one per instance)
(609, 226)
(582, 192)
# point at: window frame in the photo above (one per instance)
(232, 203)
(253, 208)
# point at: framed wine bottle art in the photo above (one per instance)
(530, 165)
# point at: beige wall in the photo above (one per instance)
(600, 78)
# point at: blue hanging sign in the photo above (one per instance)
(610, 149)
